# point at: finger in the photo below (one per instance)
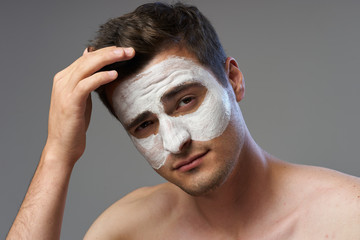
(88, 63)
(88, 49)
(91, 49)
(94, 61)
(68, 69)
(86, 86)
(77, 62)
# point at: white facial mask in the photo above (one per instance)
(143, 93)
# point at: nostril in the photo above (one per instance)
(185, 144)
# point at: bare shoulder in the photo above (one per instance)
(322, 182)
(328, 201)
(334, 207)
(135, 213)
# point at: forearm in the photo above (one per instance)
(40, 215)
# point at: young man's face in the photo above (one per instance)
(179, 117)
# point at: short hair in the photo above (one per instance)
(154, 27)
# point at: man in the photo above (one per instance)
(176, 93)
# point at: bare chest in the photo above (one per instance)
(192, 230)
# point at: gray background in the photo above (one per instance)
(301, 65)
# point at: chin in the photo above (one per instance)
(201, 184)
(200, 189)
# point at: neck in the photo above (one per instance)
(244, 194)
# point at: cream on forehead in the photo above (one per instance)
(143, 93)
(159, 78)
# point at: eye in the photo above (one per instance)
(143, 125)
(185, 101)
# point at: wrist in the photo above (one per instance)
(54, 157)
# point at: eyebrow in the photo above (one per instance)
(176, 90)
(166, 97)
(138, 119)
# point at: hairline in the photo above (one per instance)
(177, 47)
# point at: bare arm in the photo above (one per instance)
(40, 215)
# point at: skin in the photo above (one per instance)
(235, 194)
(163, 111)
(41, 212)
(255, 195)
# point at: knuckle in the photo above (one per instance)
(82, 60)
(80, 68)
(85, 56)
(57, 76)
(101, 77)
(111, 52)
(82, 87)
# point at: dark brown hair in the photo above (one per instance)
(155, 27)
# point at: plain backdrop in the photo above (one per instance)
(301, 62)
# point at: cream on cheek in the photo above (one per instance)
(143, 93)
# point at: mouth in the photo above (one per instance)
(190, 163)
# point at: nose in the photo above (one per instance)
(174, 136)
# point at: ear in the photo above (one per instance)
(235, 77)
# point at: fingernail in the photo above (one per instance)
(129, 51)
(119, 51)
(112, 73)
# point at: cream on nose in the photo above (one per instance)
(173, 134)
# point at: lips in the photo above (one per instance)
(186, 164)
